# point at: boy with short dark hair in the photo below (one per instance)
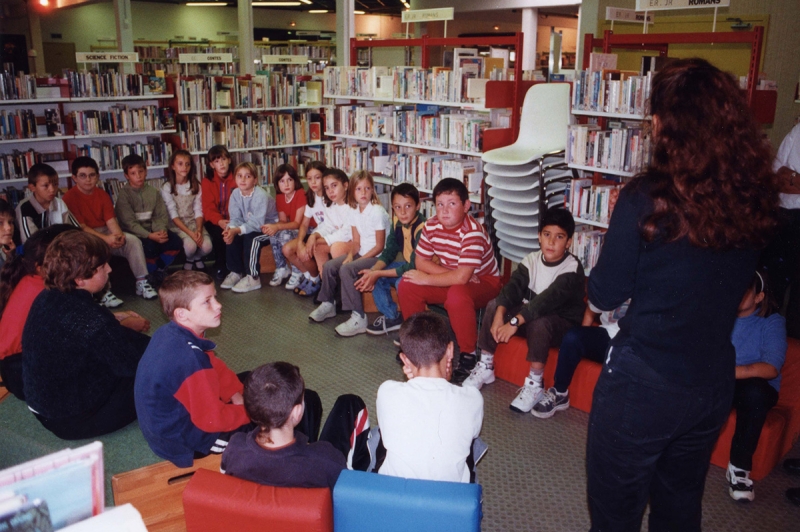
(283, 449)
(43, 208)
(397, 257)
(542, 301)
(466, 277)
(6, 231)
(92, 208)
(141, 211)
(188, 401)
(427, 424)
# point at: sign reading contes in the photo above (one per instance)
(428, 15)
(657, 5)
(284, 59)
(107, 57)
(205, 58)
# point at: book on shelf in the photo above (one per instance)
(624, 146)
(52, 119)
(157, 83)
(16, 86)
(611, 91)
(109, 156)
(600, 61)
(166, 117)
(92, 84)
(116, 119)
(586, 245)
(17, 124)
(591, 202)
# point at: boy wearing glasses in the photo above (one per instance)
(397, 258)
(93, 209)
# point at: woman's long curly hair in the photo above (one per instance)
(711, 177)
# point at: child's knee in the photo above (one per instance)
(459, 298)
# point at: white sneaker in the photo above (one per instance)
(740, 487)
(187, 265)
(248, 283)
(355, 325)
(480, 375)
(280, 275)
(325, 310)
(230, 281)
(144, 289)
(109, 300)
(294, 280)
(530, 394)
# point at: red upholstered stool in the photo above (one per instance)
(213, 501)
(510, 365)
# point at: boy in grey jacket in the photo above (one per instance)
(141, 211)
(250, 208)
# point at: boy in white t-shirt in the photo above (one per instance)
(427, 424)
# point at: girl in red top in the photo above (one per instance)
(217, 187)
(291, 203)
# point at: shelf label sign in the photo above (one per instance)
(107, 57)
(619, 14)
(284, 59)
(659, 5)
(428, 15)
(205, 58)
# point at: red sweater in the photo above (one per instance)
(216, 195)
(16, 313)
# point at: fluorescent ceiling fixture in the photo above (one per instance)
(306, 1)
(275, 4)
(206, 4)
(406, 4)
(318, 11)
(359, 12)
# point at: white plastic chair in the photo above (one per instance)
(543, 126)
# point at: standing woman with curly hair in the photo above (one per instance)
(683, 245)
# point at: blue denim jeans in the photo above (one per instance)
(590, 343)
(650, 438)
(382, 293)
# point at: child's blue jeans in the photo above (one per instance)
(382, 293)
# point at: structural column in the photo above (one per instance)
(35, 51)
(530, 28)
(246, 64)
(345, 30)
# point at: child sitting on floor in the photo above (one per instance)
(6, 232)
(141, 211)
(188, 402)
(250, 207)
(331, 239)
(466, 277)
(218, 185)
(42, 208)
(542, 300)
(283, 449)
(397, 258)
(184, 201)
(369, 223)
(428, 425)
(291, 203)
(296, 251)
(759, 337)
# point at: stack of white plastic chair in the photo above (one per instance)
(529, 176)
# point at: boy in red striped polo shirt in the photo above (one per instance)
(465, 277)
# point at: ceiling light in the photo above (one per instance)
(317, 10)
(406, 4)
(206, 4)
(306, 1)
(359, 12)
(275, 4)
(44, 3)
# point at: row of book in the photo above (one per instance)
(117, 119)
(437, 84)
(205, 93)
(625, 146)
(312, 52)
(611, 91)
(425, 125)
(172, 52)
(425, 170)
(288, 90)
(108, 84)
(17, 87)
(586, 245)
(591, 202)
(17, 124)
(15, 165)
(242, 131)
(109, 156)
(351, 158)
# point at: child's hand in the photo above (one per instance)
(136, 323)
(367, 281)
(112, 241)
(237, 399)
(497, 322)
(198, 238)
(409, 371)
(269, 229)
(223, 224)
(348, 259)
(416, 277)
(158, 236)
(504, 333)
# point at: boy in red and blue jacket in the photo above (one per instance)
(189, 403)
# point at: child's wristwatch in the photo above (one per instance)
(514, 322)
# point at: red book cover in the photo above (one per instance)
(315, 131)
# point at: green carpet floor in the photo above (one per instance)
(533, 475)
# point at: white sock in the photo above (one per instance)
(315, 279)
(536, 376)
(307, 275)
(488, 360)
